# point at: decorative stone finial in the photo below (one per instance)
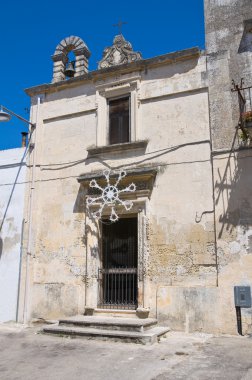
(121, 52)
(60, 58)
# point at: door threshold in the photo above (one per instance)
(104, 310)
(115, 313)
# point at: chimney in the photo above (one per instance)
(24, 139)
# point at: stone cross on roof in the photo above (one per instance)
(119, 25)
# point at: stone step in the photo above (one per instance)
(115, 313)
(147, 337)
(110, 323)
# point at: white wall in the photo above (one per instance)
(12, 186)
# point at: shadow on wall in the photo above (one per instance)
(80, 207)
(80, 204)
(233, 189)
(246, 40)
(1, 247)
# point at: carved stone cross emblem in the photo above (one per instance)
(121, 52)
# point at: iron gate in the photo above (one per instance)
(118, 276)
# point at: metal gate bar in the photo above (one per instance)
(117, 280)
(118, 288)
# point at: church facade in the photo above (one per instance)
(142, 190)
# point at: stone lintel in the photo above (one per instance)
(147, 172)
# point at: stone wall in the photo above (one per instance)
(229, 58)
(225, 25)
(172, 115)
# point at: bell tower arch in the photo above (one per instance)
(60, 58)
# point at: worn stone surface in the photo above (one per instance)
(143, 331)
(205, 309)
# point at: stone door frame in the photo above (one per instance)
(93, 253)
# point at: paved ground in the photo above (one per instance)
(26, 355)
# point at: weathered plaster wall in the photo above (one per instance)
(225, 26)
(12, 186)
(172, 114)
(229, 56)
(205, 309)
(234, 222)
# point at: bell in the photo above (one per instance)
(70, 71)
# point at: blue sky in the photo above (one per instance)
(31, 30)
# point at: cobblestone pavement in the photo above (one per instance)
(28, 355)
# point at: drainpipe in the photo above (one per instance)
(213, 187)
(86, 266)
(20, 270)
(32, 146)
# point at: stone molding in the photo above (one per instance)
(119, 53)
(143, 177)
(143, 64)
(117, 148)
(128, 86)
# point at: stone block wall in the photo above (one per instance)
(229, 58)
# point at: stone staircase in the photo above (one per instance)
(145, 331)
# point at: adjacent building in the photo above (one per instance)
(12, 194)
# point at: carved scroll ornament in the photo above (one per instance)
(121, 52)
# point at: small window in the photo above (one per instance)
(119, 120)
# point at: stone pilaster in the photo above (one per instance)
(60, 61)
(81, 63)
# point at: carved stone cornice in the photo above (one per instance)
(143, 178)
(121, 52)
(116, 71)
